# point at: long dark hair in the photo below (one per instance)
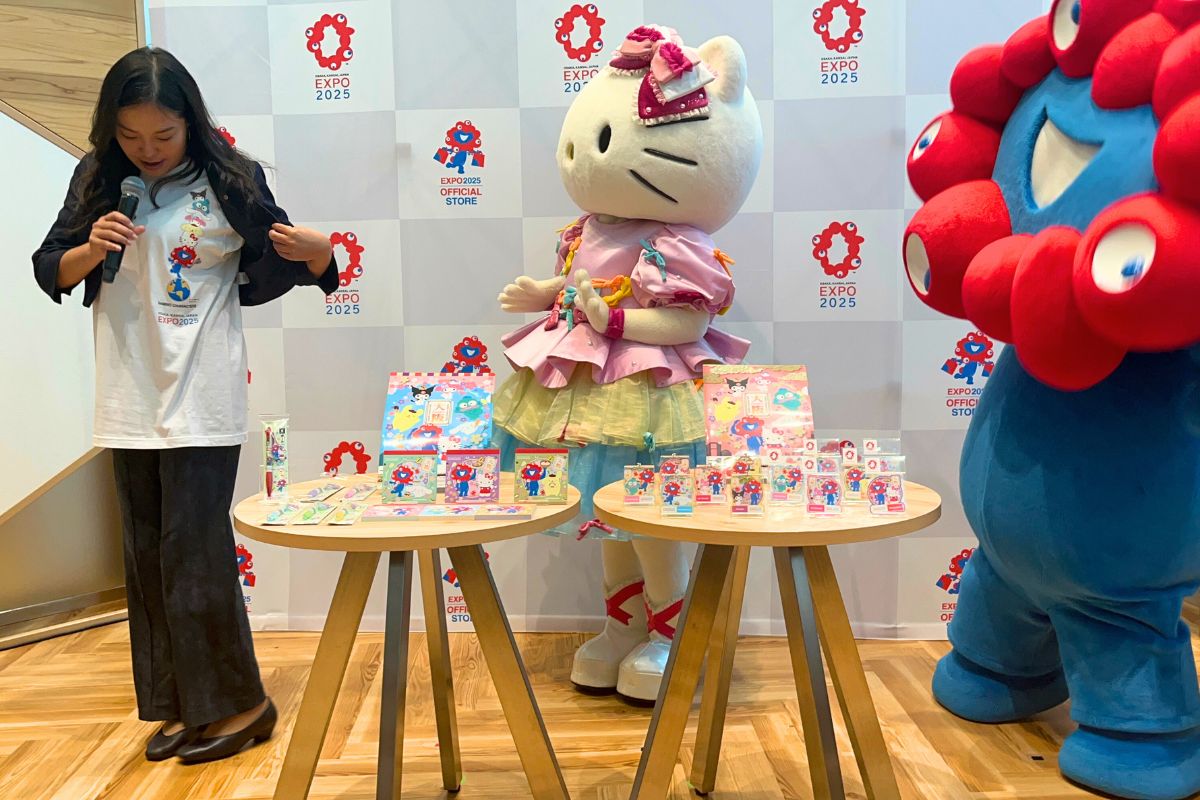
(152, 75)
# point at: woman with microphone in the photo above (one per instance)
(171, 381)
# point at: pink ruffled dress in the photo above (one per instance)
(574, 386)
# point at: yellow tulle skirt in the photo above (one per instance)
(617, 414)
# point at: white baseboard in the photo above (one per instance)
(374, 623)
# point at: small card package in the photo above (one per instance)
(283, 515)
(541, 476)
(447, 512)
(360, 491)
(391, 513)
(854, 483)
(787, 482)
(673, 465)
(313, 513)
(677, 493)
(494, 511)
(348, 513)
(472, 476)
(885, 493)
(318, 493)
(639, 484)
(746, 485)
(712, 485)
(410, 476)
(824, 493)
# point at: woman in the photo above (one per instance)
(171, 381)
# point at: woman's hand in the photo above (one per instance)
(110, 234)
(300, 244)
(528, 296)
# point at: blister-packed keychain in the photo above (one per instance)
(275, 457)
(712, 484)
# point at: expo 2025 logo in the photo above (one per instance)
(564, 32)
(334, 26)
(357, 451)
(828, 27)
(846, 235)
(348, 241)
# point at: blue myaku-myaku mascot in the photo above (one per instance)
(1062, 216)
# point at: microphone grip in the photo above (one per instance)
(112, 259)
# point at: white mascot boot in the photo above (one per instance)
(665, 571)
(598, 661)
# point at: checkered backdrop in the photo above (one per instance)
(352, 143)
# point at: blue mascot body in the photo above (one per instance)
(1080, 474)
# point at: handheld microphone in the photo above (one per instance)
(132, 189)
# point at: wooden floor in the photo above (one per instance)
(69, 730)
(55, 53)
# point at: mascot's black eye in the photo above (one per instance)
(605, 138)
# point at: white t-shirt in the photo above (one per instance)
(170, 354)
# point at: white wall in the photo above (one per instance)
(46, 370)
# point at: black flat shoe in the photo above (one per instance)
(219, 747)
(162, 746)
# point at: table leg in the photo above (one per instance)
(717, 675)
(395, 676)
(845, 666)
(441, 676)
(653, 781)
(804, 646)
(325, 679)
(508, 674)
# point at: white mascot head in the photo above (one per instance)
(664, 132)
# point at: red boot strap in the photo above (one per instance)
(614, 602)
(660, 622)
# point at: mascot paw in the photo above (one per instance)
(975, 693)
(593, 305)
(1137, 766)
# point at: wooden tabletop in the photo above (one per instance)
(361, 537)
(781, 526)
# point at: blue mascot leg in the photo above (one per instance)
(1134, 694)
(1005, 664)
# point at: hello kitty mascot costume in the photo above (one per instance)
(660, 150)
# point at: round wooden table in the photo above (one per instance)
(813, 611)
(363, 544)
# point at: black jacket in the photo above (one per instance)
(264, 274)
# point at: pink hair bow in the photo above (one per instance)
(672, 87)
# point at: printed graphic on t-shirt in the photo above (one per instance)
(196, 219)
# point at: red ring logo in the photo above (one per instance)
(823, 17)
(823, 241)
(356, 450)
(316, 34)
(348, 241)
(565, 25)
